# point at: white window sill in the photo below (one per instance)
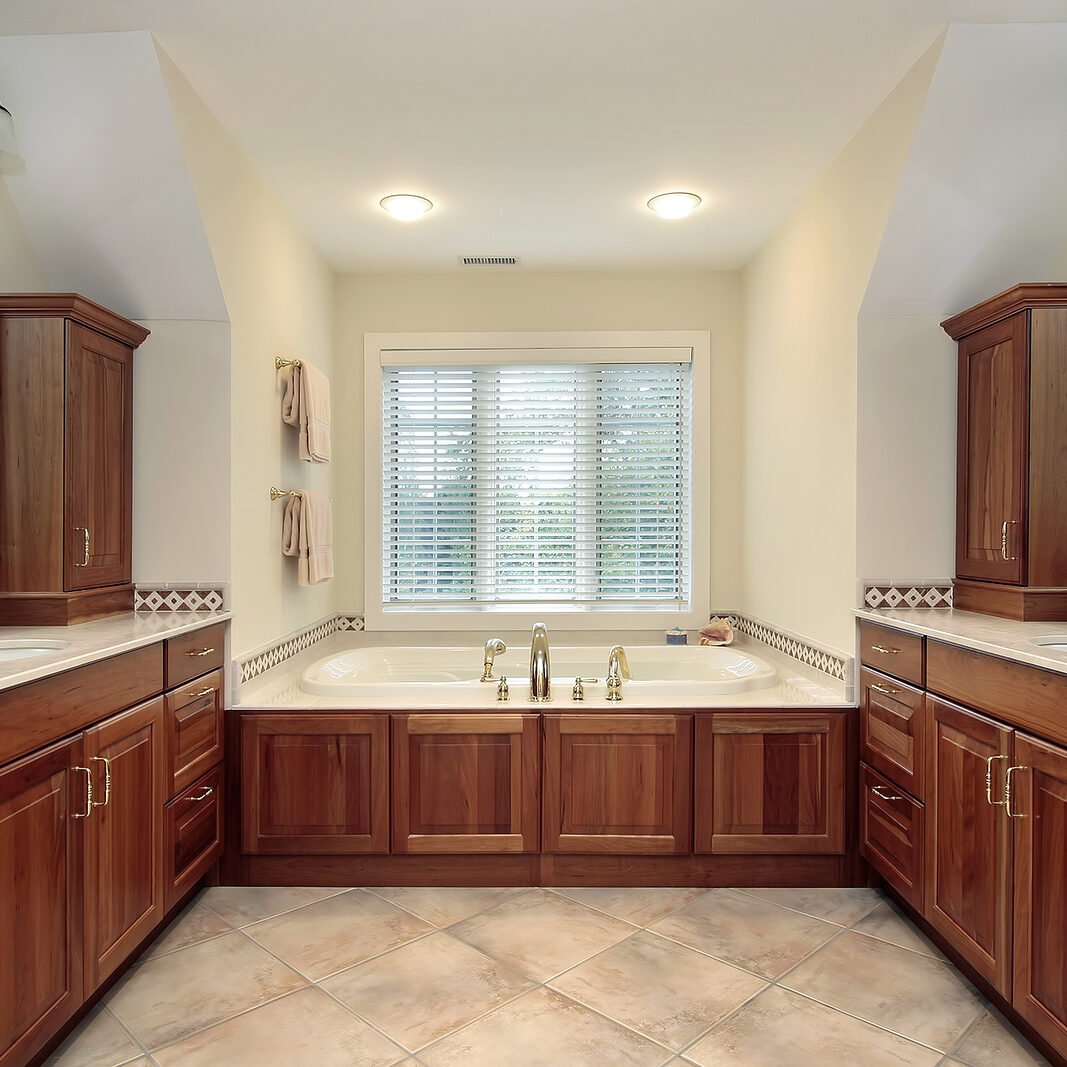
(522, 616)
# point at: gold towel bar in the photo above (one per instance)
(279, 363)
(275, 493)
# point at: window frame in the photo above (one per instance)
(444, 349)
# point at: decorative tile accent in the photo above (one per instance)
(936, 594)
(350, 622)
(285, 649)
(822, 659)
(166, 598)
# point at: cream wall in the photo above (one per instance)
(802, 293)
(696, 300)
(20, 271)
(279, 297)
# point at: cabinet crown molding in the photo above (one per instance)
(1001, 306)
(76, 307)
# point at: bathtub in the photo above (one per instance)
(452, 675)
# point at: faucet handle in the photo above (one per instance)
(502, 691)
(578, 692)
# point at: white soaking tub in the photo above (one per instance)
(447, 675)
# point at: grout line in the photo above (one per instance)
(560, 892)
(959, 1040)
(749, 891)
(126, 1029)
(286, 911)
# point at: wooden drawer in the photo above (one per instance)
(892, 826)
(189, 655)
(194, 730)
(893, 730)
(192, 834)
(892, 651)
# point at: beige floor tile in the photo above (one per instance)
(659, 988)
(888, 923)
(541, 934)
(99, 1041)
(780, 1027)
(544, 1029)
(640, 906)
(994, 1042)
(427, 989)
(746, 931)
(840, 906)
(890, 986)
(194, 925)
(336, 933)
(240, 905)
(170, 997)
(304, 1028)
(444, 906)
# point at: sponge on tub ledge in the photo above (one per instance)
(307, 533)
(306, 405)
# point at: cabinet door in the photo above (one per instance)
(465, 783)
(99, 460)
(968, 836)
(40, 897)
(892, 834)
(617, 783)
(1039, 802)
(315, 783)
(770, 783)
(123, 836)
(893, 730)
(992, 451)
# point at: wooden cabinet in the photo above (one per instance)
(314, 783)
(892, 834)
(194, 723)
(66, 430)
(617, 783)
(893, 730)
(466, 783)
(1011, 483)
(770, 782)
(192, 835)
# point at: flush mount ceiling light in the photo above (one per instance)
(673, 205)
(10, 160)
(406, 206)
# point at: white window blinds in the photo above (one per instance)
(538, 484)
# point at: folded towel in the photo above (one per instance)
(306, 405)
(307, 533)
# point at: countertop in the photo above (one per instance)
(90, 641)
(982, 633)
(279, 688)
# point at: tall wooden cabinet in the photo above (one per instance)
(66, 461)
(1011, 480)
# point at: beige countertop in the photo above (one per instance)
(90, 641)
(982, 633)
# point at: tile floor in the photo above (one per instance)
(558, 978)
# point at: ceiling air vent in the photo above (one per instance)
(489, 261)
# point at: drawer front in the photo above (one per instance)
(892, 826)
(893, 730)
(192, 830)
(187, 656)
(892, 651)
(194, 730)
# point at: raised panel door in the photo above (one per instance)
(893, 730)
(98, 458)
(992, 451)
(315, 783)
(968, 836)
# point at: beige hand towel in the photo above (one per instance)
(306, 405)
(307, 533)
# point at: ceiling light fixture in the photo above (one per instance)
(10, 160)
(406, 206)
(673, 205)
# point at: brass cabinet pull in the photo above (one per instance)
(885, 651)
(88, 794)
(204, 793)
(880, 791)
(206, 691)
(107, 781)
(1004, 541)
(200, 652)
(887, 689)
(1008, 793)
(85, 560)
(989, 780)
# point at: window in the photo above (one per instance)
(550, 480)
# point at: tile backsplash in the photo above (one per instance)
(924, 593)
(179, 597)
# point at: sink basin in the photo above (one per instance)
(15, 649)
(1053, 642)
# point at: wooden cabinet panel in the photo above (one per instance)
(617, 783)
(992, 452)
(770, 782)
(40, 898)
(1040, 952)
(98, 505)
(893, 730)
(194, 730)
(892, 834)
(466, 783)
(123, 836)
(190, 655)
(893, 652)
(968, 865)
(315, 783)
(192, 835)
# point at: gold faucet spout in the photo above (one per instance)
(540, 664)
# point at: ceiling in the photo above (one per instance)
(539, 129)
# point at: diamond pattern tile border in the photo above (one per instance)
(287, 647)
(908, 595)
(166, 598)
(822, 659)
